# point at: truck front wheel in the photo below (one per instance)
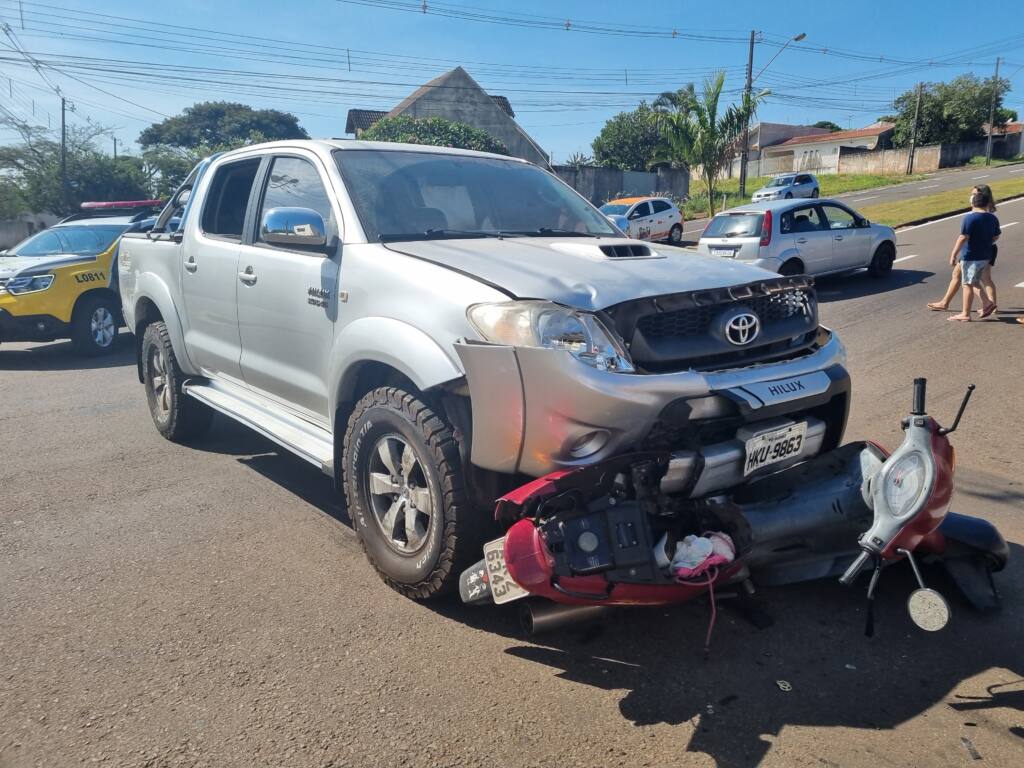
(405, 491)
(177, 416)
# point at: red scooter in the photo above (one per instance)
(608, 535)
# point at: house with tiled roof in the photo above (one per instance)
(821, 152)
(457, 96)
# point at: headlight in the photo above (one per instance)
(20, 285)
(543, 324)
(904, 484)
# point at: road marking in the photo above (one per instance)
(859, 199)
(1009, 225)
(1019, 170)
(953, 216)
(1019, 285)
(981, 177)
(928, 186)
(904, 258)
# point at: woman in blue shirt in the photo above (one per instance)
(975, 249)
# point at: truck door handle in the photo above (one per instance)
(190, 264)
(248, 277)
(801, 240)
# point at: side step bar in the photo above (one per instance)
(306, 440)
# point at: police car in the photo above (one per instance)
(646, 218)
(61, 283)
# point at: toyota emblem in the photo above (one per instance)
(742, 329)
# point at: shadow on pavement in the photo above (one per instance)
(58, 356)
(859, 284)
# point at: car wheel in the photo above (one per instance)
(177, 416)
(815, 192)
(882, 261)
(792, 268)
(789, 195)
(94, 325)
(406, 496)
(675, 235)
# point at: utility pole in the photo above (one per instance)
(63, 153)
(992, 115)
(746, 118)
(115, 147)
(913, 131)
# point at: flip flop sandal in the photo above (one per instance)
(959, 318)
(987, 312)
(934, 307)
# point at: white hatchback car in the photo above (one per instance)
(787, 186)
(795, 237)
(646, 218)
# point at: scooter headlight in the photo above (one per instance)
(905, 484)
(20, 285)
(548, 325)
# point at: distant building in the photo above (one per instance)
(457, 96)
(809, 153)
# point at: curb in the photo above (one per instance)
(944, 214)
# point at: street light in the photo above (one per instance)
(746, 100)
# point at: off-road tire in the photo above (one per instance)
(882, 261)
(184, 417)
(83, 337)
(675, 235)
(456, 530)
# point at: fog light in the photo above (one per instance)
(589, 444)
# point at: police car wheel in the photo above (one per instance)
(94, 325)
(177, 416)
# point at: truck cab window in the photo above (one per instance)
(295, 183)
(226, 202)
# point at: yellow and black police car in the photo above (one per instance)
(61, 283)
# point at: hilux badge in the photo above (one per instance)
(742, 328)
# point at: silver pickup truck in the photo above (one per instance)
(433, 326)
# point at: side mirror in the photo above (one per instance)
(302, 227)
(182, 198)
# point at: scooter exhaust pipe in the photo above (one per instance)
(538, 618)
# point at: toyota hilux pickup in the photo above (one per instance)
(434, 327)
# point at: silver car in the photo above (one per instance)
(792, 238)
(788, 186)
(428, 325)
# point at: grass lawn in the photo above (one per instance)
(902, 212)
(980, 160)
(831, 184)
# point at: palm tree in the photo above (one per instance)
(675, 101)
(694, 133)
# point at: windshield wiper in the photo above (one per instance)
(547, 232)
(437, 234)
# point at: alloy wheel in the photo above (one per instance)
(158, 380)
(399, 494)
(102, 327)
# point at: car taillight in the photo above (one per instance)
(766, 229)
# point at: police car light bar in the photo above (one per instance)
(121, 204)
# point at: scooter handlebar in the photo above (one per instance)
(919, 395)
(855, 568)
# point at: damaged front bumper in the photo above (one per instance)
(537, 410)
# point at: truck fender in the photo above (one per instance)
(149, 286)
(391, 342)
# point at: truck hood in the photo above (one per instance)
(12, 266)
(574, 271)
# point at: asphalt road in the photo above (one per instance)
(939, 181)
(163, 605)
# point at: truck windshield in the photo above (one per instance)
(408, 195)
(80, 240)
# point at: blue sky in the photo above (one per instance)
(562, 84)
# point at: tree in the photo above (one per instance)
(950, 112)
(698, 136)
(629, 140)
(435, 131)
(828, 124)
(579, 160)
(32, 168)
(679, 100)
(214, 123)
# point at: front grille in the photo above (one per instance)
(689, 330)
(695, 321)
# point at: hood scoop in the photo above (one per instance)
(619, 250)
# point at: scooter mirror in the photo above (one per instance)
(928, 609)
